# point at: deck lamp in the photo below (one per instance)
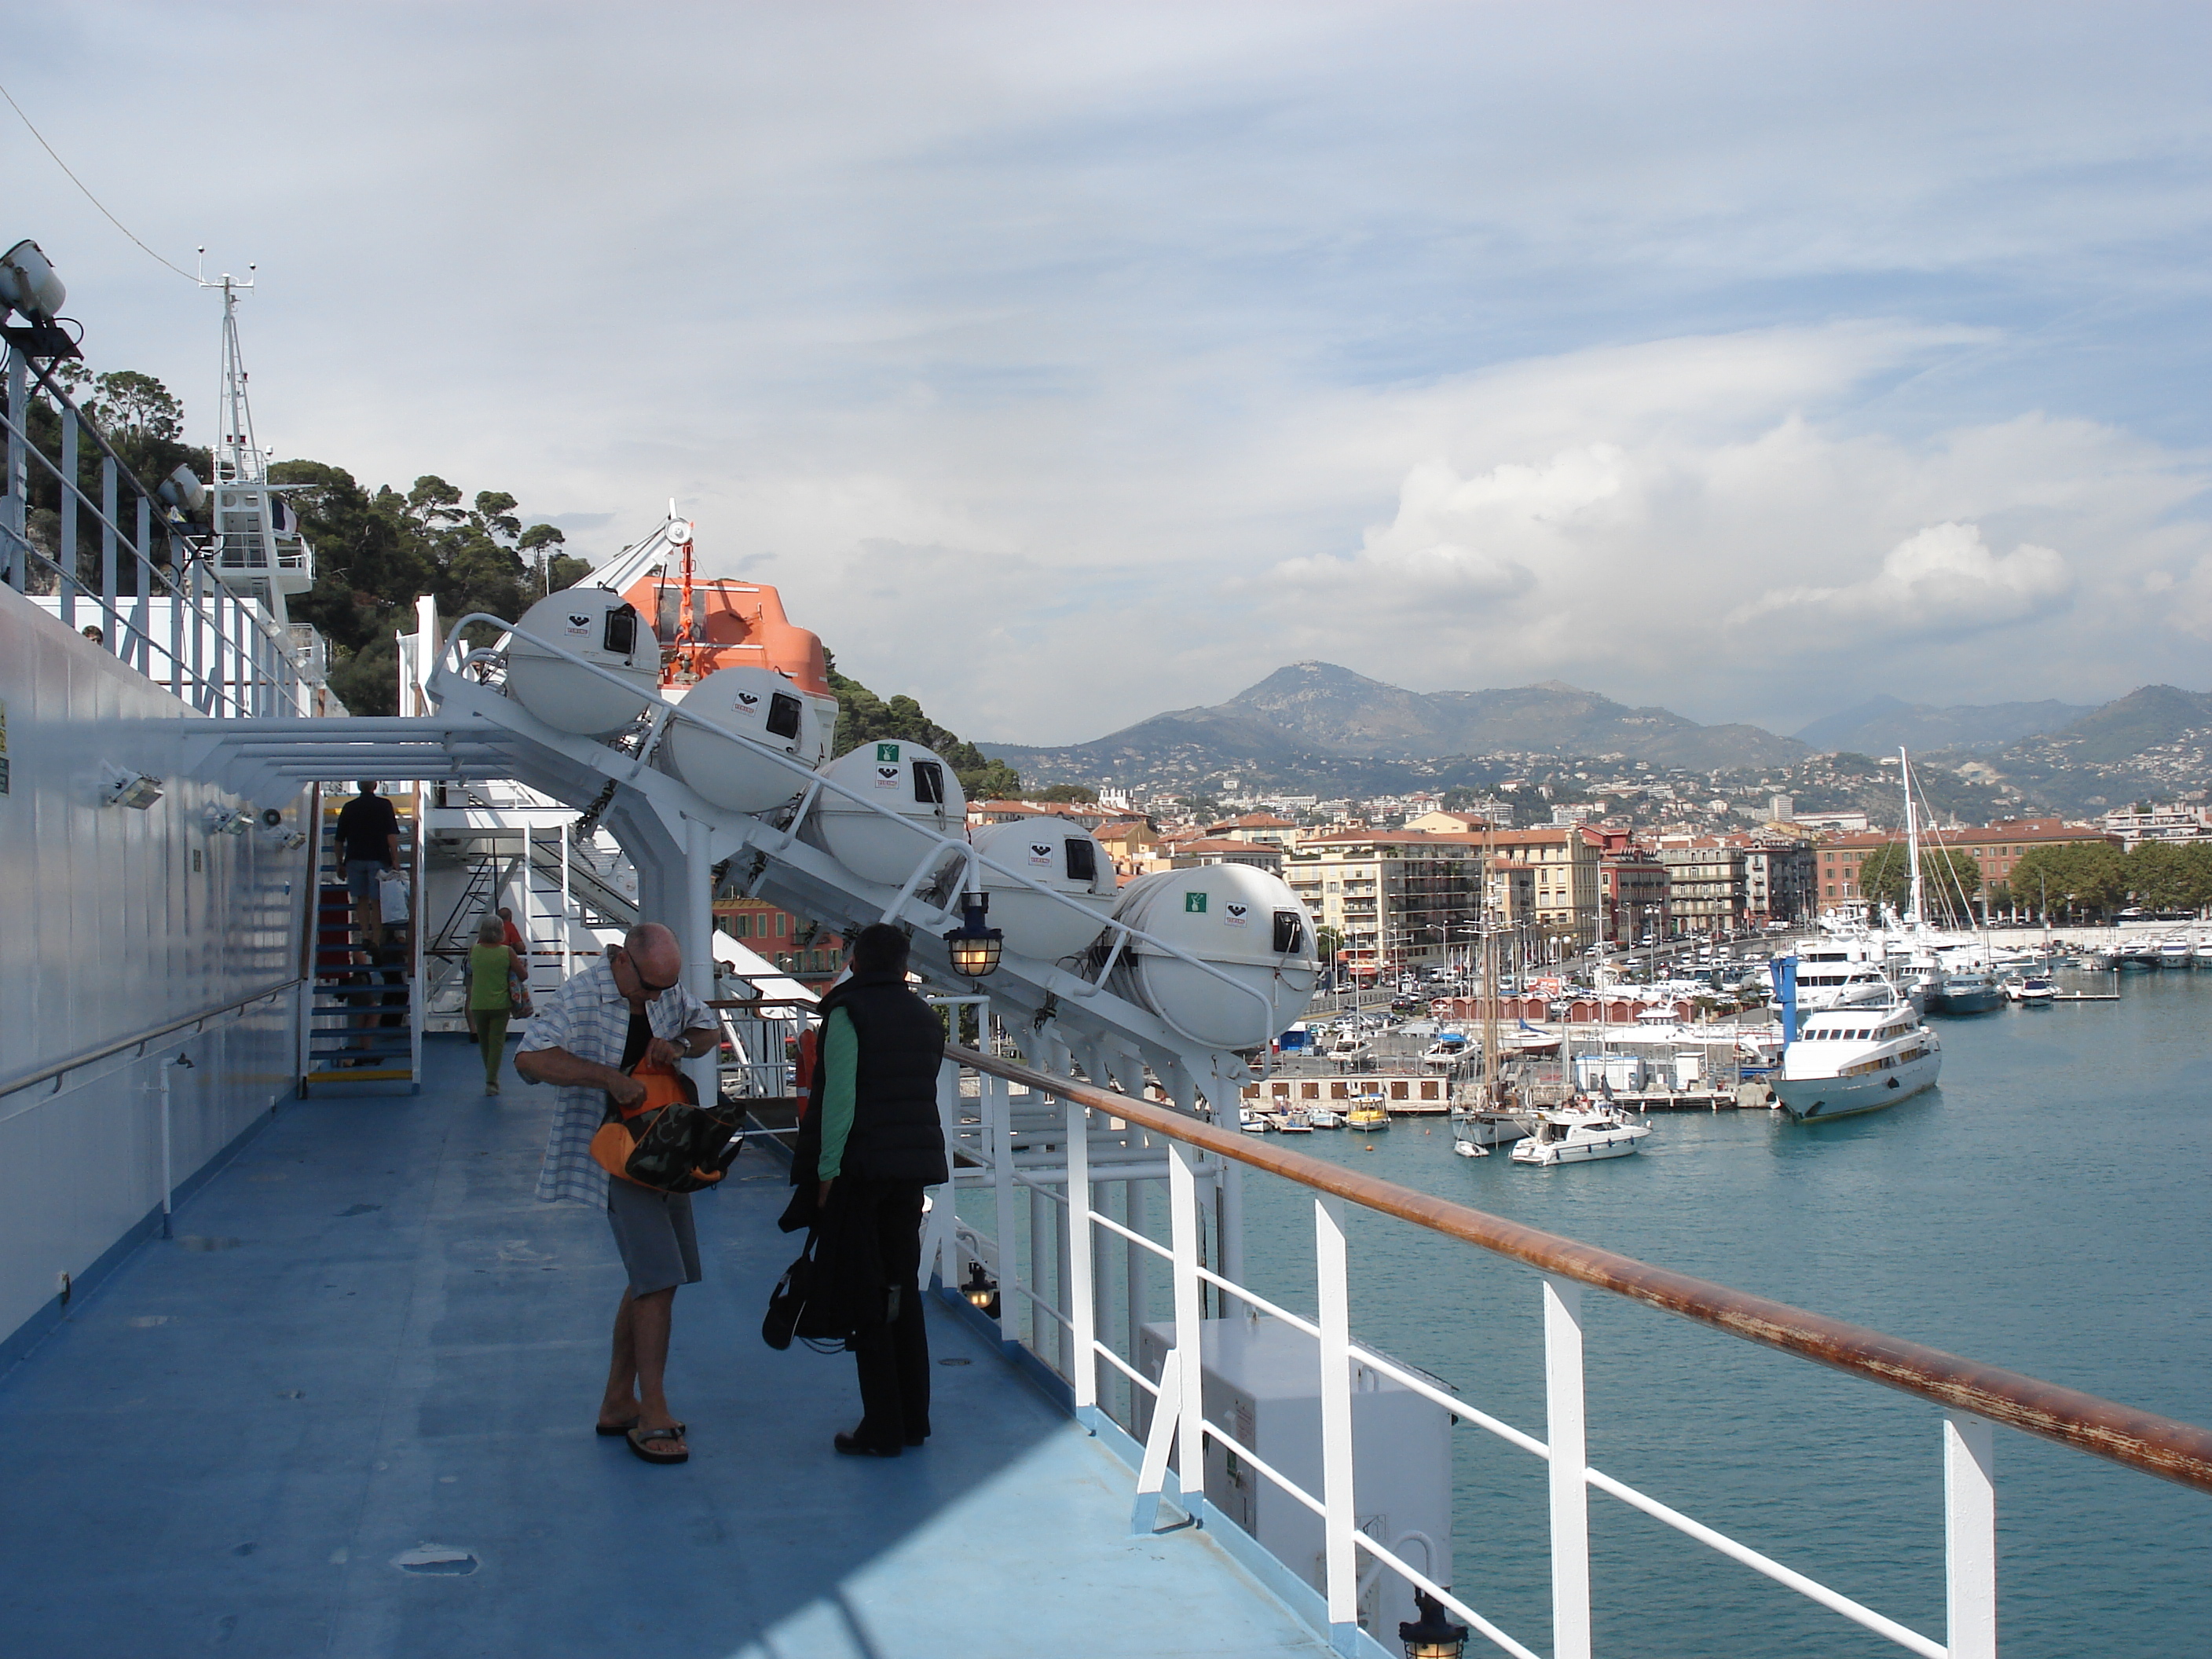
(975, 943)
(981, 1293)
(29, 288)
(1435, 1634)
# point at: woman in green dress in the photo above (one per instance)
(490, 961)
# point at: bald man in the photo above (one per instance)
(584, 1040)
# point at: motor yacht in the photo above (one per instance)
(1579, 1133)
(1448, 1050)
(2031, 990)
(2174, 952)
(1847, 1061)
(1969, 989)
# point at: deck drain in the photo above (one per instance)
(202, 1242)
(436, 1560)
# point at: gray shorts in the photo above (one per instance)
(652, 1231)
(361, 877)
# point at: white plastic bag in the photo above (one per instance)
(392, 897)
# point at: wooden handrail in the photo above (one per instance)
(2179, 1452)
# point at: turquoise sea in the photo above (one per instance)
(2045, 1210)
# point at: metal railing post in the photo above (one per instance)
(108, 623)
(68, 504)
(1184, 1223)
(18, 494)
(1082, 1309)
(1970, 1536)
(995, 1098)
(1340, 1562)
(1569, 1457)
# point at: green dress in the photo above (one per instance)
(488, 966)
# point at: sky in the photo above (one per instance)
(1061, 364)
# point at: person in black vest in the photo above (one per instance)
(872, 1141)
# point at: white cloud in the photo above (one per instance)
(1944, 578)
(1153, 346)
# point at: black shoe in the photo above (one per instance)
(915, 1439)
(853, 1447)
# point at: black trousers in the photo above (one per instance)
(892, 1356)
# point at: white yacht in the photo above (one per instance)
(1578, 1134)
(1448, 1050)
(1856, 1059)
(1842, 974)
(2174, 952)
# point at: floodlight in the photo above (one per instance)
(27, 282)
(182, 489)
(228, 821)
(123, 787)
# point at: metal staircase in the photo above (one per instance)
(364, 1030)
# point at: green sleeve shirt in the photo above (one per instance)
(840, 1053)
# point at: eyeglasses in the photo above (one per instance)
(643, 983)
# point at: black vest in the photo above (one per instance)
(895, 1134)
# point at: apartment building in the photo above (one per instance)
(1565, 859)
(1395, 898)
(1636, 896)
(1705, 886)
(1220, 849)
(1778, 879)
(1995, 849)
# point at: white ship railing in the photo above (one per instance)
(212, 649)
(456, 657)
(1054, 1281)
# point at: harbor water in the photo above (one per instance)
(2044, 1210)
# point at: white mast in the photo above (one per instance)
(260, 552)
(1913, 914)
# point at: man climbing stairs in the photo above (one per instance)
(363, 1030)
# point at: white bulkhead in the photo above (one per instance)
(757, 703)
(602, 628)
(1240, 920)
(1059, 856)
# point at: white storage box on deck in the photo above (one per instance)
(1263, 1384)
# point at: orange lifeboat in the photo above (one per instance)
(703, 626)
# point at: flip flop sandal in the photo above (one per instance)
(608, 1430)
(640, 1442)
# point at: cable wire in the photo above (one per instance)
(88, 195)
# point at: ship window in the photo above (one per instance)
(929, 783)
(621, 636)
(1082, 859)
(1290, 932)
(782, 715)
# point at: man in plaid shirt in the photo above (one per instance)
(585, 1038)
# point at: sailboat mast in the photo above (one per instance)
(1911, 842)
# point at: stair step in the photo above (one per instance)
(371, 1051)
(364, 1074)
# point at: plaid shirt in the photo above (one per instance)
(588, 1017)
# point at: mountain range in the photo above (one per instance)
(1321, 728)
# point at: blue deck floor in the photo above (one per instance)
(369, 1337)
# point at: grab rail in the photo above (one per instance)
(31, 1079)
(1974, 1397)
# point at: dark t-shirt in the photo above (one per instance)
(366, 825)
(634, 1045)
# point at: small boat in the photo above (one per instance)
(1969, 990)
(2200, 954)
(1446, 1051)
(1369, 1118)
(2031, 990)
(1319, 1117)
(1252, 1122)
(1291, 1123)
(1528, 1040)
(1578, 1134)
(1348, 1049)
(1466, 1148)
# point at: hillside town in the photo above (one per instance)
(1399, 885)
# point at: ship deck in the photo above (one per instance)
(367, 1337)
